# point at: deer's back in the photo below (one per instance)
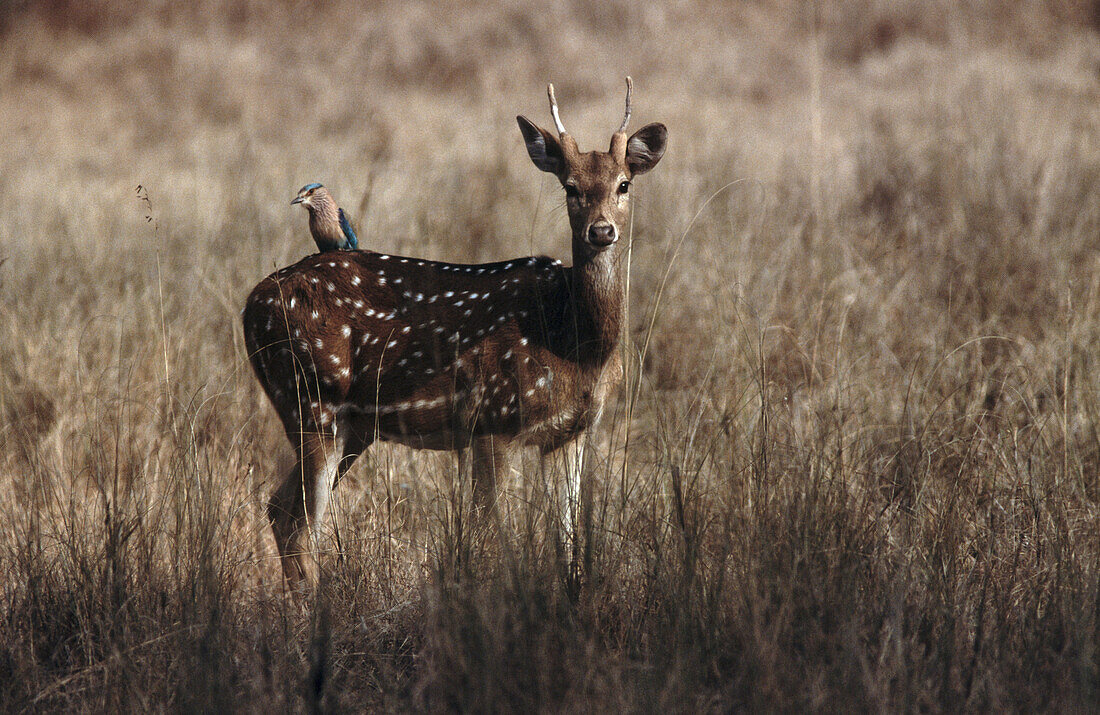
(422, 352)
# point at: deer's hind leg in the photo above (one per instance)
(358, 437)
(298, 506)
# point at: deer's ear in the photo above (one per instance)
(646, 147)
(543, 148)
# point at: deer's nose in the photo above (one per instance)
(602, 234)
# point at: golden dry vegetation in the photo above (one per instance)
(857, 461)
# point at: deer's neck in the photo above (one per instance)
(597, 292)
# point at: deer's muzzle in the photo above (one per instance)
(602, 234)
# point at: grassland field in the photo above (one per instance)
(855, 464)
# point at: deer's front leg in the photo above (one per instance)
(490, 461)
(567, 460)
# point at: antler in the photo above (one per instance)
(629, 90)
(554, 109)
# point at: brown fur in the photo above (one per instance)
(359, 346)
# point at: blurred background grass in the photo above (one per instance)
(862, 424)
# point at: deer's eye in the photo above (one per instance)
(624, 187)
(572, 191)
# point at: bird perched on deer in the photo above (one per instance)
(327, 222)
(479, 359)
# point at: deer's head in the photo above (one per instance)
(597, 184)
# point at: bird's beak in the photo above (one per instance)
(297, 200)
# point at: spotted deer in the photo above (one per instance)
(358, 346)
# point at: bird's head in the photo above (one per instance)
(311, 196)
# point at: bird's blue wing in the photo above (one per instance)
(349, 233)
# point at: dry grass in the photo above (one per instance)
(863, 424)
